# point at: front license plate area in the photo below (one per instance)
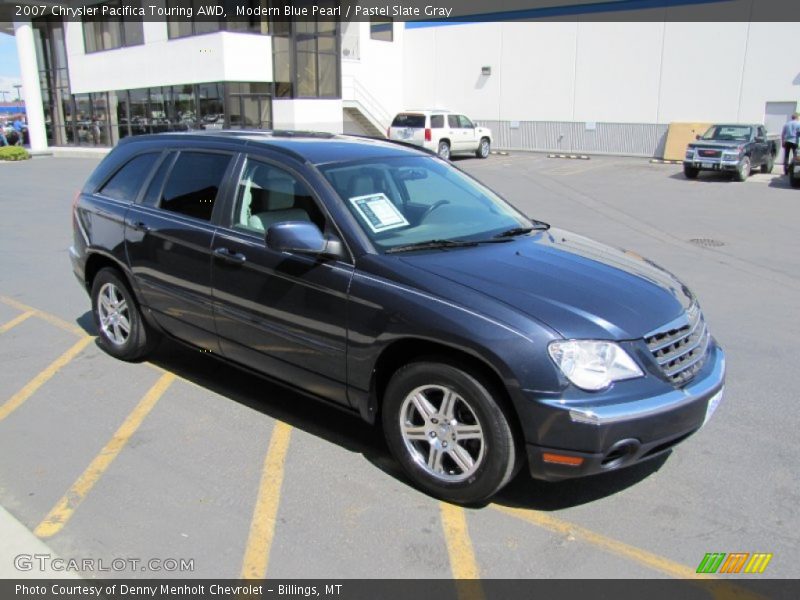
(707, 165)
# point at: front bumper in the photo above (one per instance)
(713, 164)
(617, 435)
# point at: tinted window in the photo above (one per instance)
(437, 121)
(380, 29)
(193, 184)
(124, 185)
(452, 120)
(267, 195)
(407, 120)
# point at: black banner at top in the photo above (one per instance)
(414, 11)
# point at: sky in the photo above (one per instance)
(9, 66)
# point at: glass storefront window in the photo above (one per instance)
(109, 33)
(306, 64)
(210, 105)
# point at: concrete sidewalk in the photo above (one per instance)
(17, 541)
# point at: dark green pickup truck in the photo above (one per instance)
(735, 148)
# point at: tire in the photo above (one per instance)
(484, 148)
(443, 150)
(691, 172)
(743, 172)
(114, 307)
(793, 181)
(768, 165)
(418, 396)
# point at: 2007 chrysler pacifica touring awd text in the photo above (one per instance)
(384, 280)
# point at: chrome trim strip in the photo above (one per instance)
(682, 350)
(678, 369)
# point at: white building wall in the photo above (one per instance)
(311, 114)
(222, 56)
(653, 72)
(372, 73)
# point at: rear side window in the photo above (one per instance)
(452, 121)
(125, 183)
(437, 121)
(193, 184)
(409, 120)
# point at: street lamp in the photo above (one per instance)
(18, 85)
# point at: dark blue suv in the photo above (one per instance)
(384, 280)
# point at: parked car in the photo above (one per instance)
(382, 279)
(441, 131)
(737, 149)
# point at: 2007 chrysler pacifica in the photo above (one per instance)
(383, 279)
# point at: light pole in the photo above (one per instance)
(18, 85)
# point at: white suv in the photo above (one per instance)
(442, 131)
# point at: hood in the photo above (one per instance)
(578, 287)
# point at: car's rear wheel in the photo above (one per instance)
(690, 172)
(444, 150)
(743, 172)
(448, 431)
(484, 148)
(122, 331)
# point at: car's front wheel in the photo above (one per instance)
(448, 431)
(690, 172)
(122, 331)
(743, 172)
(768, 164)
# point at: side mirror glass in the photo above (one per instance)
(301, 237)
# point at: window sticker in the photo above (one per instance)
(378, 212)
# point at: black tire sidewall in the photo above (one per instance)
(499, 445)
(136, 344)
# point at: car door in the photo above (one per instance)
(454, 132)
(168, 238)
(280, 313)
(467, 134)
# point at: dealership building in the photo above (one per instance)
(573, 83)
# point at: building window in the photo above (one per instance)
(251, 24)
(306, 62)
(180, 26)
(109, 33)
(381, 29)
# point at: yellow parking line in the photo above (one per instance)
(64, 509)
(45, 316)
(648, 559)
(262, 526)
(463, 565)
(16, 321)
(34, 384)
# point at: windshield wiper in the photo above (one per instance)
(537, 226)
(432, 244)
(429, 244)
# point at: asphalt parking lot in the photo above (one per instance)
(184, 457)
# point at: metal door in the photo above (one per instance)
(775, 115)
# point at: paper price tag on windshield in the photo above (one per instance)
(378, 212)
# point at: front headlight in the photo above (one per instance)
(730, 155)
(689, 153)
(593, 365)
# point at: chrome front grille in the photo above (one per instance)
(681, 350)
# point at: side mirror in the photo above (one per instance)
(301, 237)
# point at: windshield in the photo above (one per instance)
(402, 201)
(728, 133)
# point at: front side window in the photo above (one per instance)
(124, 184)
(465, 123)
(194, 183)
(401, 201)
(267, 194)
